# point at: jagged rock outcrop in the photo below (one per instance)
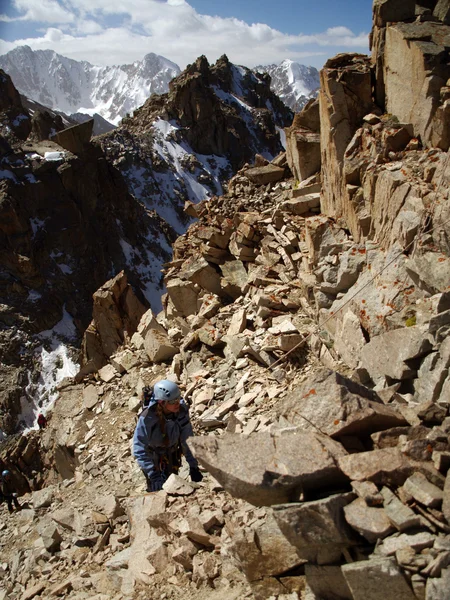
(351, 462)
(204, 101)
(410, 43)
(55, 254)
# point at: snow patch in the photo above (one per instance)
(55, 364)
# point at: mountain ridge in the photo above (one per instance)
(77, 86)
(115, 92)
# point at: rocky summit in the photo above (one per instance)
(305, 316)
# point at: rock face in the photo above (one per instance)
(413, 51)
(344, 100)
(310, 340)
(203, 101)
(55, 254)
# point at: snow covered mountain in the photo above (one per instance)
(294, 83)
(74, 86)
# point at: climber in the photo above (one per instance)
(41, 421)
(7, 491)
(160, 436)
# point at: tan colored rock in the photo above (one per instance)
(33, 591)
(285, 463)
(345, 98)
(261, 550)
(336, 406)
(158, 346)
(177, 486)
(183, 296)
(116, 314)
(370, 522)
(316, 529)
(90, 395)
(377, 578)
(106, 374)
(413, 52)
(423, 491)
(199, 271)
(264, 175)
(384, 467)
(237, 323)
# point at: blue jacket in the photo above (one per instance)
(149, 442)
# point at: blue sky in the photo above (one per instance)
(250, 32)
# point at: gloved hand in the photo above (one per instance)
(195, 474)
(156, 483)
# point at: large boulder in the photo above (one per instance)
(345, 98)
(270, 468)
(115, 318)
(377, 578)
(317, 529)
(337, 406)
(392, 354)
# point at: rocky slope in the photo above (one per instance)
(184, 145)
(307, 322)
(49, 276)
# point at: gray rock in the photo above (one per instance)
(377, 578)
(416, 541)
(119, 560)
(433, 373)
(51, 538)
(177, 486)
(317, 529)
(370, 522)
(430, 271)
(446, 498)
(337, 406)
(388, 354)
(401, 516)
(68, 518)
(42, 498)
(109, 506)
(327, 582)
(261, 550)
(423, 491)
(270, 468)
(158, 346)
(437, 588)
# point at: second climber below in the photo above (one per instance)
(160, 436)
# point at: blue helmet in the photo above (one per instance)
(166, 390)
(5, 473)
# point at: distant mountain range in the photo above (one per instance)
(72, 87)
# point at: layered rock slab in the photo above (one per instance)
(338, 407)
(271, 468)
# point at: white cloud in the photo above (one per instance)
(81, 29)
(42, 11)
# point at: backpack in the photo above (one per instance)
(147, 395)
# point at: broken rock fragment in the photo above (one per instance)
(377, 578)
(317, 529)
